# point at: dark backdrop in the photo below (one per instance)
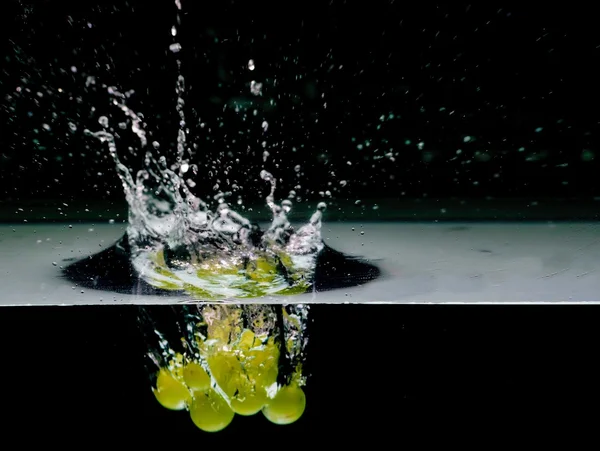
(378, 375)
(394, 74)
(503, 97)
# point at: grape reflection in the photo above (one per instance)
(219, 361)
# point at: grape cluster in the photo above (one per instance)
(229, 377)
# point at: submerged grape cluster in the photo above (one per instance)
(231, 369)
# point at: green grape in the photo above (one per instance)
(297, 288)
(266, 376)
(210, 412)
(263, 269)
(261, 365)
(226, 369)
(246, 340)
(287, 406)
(264, 355)
(195, 377)
(210, 268)
(249, 399)
(170, 392)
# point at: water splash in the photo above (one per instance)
(178, 243)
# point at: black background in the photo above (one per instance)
(494, 72)
(377, 373)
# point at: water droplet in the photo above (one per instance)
(55, 264)
(265, 125)
(251, 65)
(70, 226)
(362, 232)
(103, 121)
(173, 31)
(184, 168)
(266, 176)
(256, 88)
(297, 168)
(111, 221)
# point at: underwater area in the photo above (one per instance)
(223, 221)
